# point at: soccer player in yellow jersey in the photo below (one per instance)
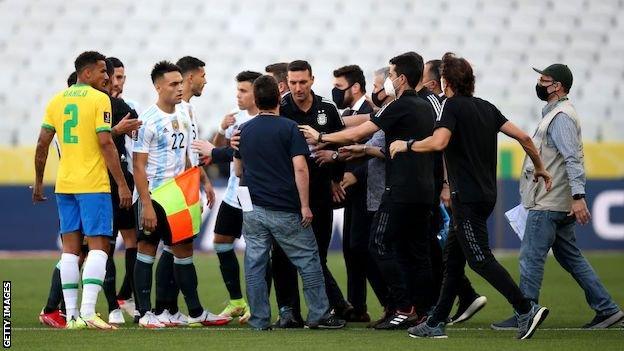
(81, 115)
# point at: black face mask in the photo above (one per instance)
(542, 92)
(375, 98)
(338, 95)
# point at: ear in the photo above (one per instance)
(355, 88)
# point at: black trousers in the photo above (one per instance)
(285, 273)
(465, 291)
(400, 245)
(358, 260)
(468, 241)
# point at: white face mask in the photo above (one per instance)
(389, 87)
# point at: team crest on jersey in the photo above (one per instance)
(107, 117)
(175, 124)
(321, 118)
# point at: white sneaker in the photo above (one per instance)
(116, 317)
(150, 321)
(208, 319)
(172, 320)
(127, 306)
(179, 319)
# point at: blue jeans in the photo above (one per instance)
(262, 225)
(551, 229)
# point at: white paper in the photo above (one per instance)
(517, 218)
(244, 198)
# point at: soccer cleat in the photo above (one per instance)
(245, 317)
(150, 321)
(330, 322)
(606, 321)
(127, 306)
(208, 319)
(95, 322)
(510, 323)
(75, 323)
(467, 309)
(179, 319)
(400, 320)
(423, 330)
(53, 319)
(116, 317)
(172, 320)
(235, 308)
(528, 322)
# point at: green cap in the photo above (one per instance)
(559, 72)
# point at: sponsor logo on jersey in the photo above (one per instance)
(107, 117)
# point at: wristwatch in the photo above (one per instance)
(320, 137)
(409, 144)
(334, 156)
(578, 196)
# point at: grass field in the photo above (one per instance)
(30, 282)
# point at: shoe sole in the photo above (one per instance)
(151, 326)
(324, 327)
(215, 323)
(494, 327)
(609, 322)
(540, 316)
(474, 307)
(54, 325)
(428, 337)
(93, 326)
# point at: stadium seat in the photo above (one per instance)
(500, 38)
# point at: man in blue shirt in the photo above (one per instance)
(271, 162)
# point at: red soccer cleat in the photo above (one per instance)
(53, 319)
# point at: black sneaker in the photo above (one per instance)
(287, 320)
(508, 324)
(606, 321)
(330, 322)
(467, 309)
(401, 320)
(342, 311)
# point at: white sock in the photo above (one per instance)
(92, 277)
(70, 277)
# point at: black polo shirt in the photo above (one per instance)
(471, 154)
(409, 175)
(119, 110)
(324, 117)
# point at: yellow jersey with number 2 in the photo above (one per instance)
(77, 114)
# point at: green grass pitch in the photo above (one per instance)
(31, 277)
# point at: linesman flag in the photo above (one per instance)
(179, 197)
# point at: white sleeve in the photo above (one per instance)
(143, 139)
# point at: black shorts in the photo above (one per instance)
(122, 218)
(229, 221)
(162, 231)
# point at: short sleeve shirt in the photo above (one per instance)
(471, 154)
(409, 175)
(268, 145)
(77, 114)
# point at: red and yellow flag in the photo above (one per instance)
(179, 197)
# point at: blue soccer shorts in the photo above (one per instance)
(91, 213)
